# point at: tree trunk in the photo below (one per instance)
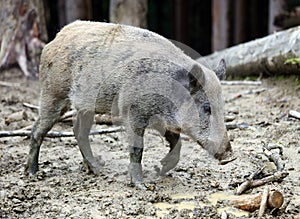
(221, 24)
(276, 7)
(181, 29)
(265, 55)
(240, 29)
(71, 10)
(22, 34)
(79, 9)
(130, 12)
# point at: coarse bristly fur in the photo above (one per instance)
(134, 74)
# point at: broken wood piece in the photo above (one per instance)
(103, 119)
(255, 83)
(275, 158)
(264, 202)
(275, 199)
(255, 91)
(67, 115)
(243, 187)
(17, 116)
(285, 205)
(277, 176)
(247, 92)
(99, 119)
(294, 114)
(247, 202)
(29, 127)
(9, 84)
(251, 183)
(57, 134)
(106, 119)
(226, 161)
(248, 183)
(264, 55)
(273, 146)
(252, 202)
(229, 118)
(31, 106)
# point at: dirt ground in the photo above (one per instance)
(194, 189)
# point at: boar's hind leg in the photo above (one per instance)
(136, 146)
(172, 158)
(49, 115)
(82, 126)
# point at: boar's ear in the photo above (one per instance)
(220, 70)
(196, 78)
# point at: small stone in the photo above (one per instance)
(215, 184)
(3, 194)
(229, 118)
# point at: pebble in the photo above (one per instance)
(3, 194)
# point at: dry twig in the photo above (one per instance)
(17, 116)
(99, 119)
(57, 134)
(9, 84)
(31, 106)
(277, 176)
(239, 95)
(294, 114)
(248, 183)
(263, 203)
(256, 83)
(275, 158)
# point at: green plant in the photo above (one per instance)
(293, 61)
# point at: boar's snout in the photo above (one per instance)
(225, 154)
(220, 150)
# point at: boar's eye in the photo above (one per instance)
(206, 108)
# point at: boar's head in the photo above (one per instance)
(207, 126)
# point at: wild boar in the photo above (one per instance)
(136, 75)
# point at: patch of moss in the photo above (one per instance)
(293, 61)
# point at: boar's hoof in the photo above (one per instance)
(100, 161)
(140, 185)
(136, 175)
(94, 167)
(31, 171)
(168, 163)
(31, 168)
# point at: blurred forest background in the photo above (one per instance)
(206, 26)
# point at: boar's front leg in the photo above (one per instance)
(82, 126)
(172, 158)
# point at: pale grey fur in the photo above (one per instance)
(134, 74)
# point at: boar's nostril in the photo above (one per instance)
(206, 108)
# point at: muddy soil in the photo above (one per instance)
(194, 189)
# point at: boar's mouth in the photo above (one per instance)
(202, 144)
(225, 156)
